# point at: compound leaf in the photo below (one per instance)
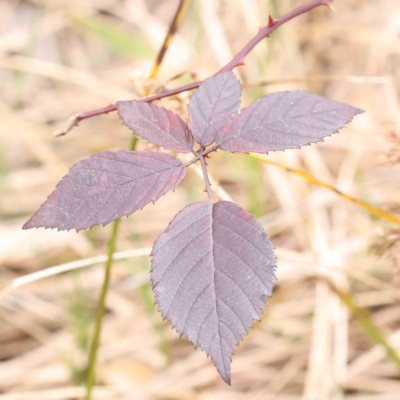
(212, 270)
(156, 124)
(212, 105)
(284, 120)
(107, 186)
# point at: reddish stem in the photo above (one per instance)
(206, 179)
(272, 25)
(236, 61)
(75, 119)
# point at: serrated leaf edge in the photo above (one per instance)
(153, 285)
(24, 227)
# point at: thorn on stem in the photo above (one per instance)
(271, 21)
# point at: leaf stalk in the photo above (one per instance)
(206, 179)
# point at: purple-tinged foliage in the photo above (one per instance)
(156, 124)
(213, 105)
(214, 266)
(212, 271)
(284, 120)
(107, 186)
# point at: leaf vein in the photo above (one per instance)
(183, 279)
(244, 293)
(245, 263)
(233, 311)
(194, 302)
(178, 254)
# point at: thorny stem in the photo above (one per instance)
(75, 119)
(112, 107)
(206, 179)
(267, 30)
(236, 61)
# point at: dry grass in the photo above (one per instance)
(61, 57)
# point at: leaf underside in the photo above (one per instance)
(284, 120)
(212, 105)
(156, 124)
(107, 186)
(212, 271)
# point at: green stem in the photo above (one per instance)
(91, 372)
(112, 244)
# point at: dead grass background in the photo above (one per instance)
(60, 57)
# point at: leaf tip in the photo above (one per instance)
(27, 225)
(358, 111)
(226, 377)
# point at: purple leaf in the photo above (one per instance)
(284, 120)
(213, 105)
(107, 186)
(211, 272)
(156, 124)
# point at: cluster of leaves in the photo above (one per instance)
(214, 266)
